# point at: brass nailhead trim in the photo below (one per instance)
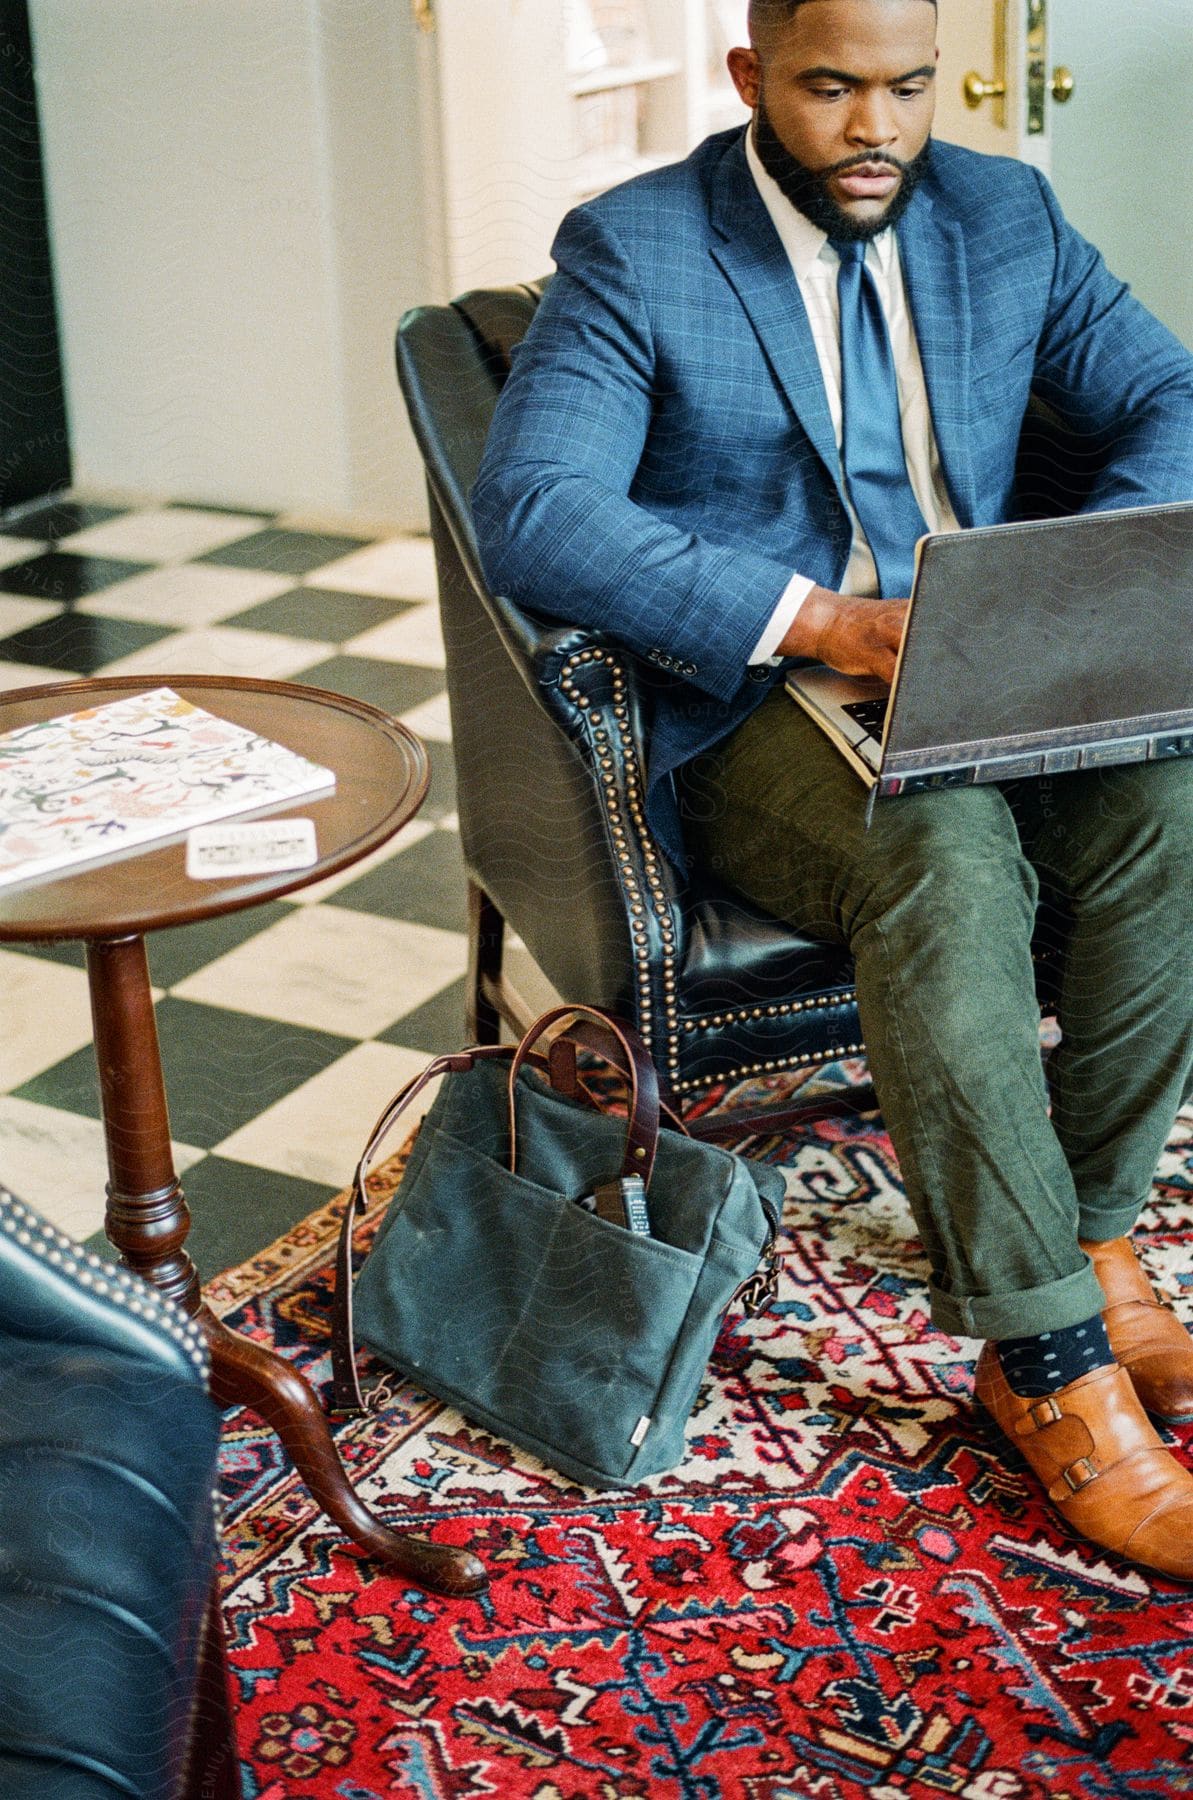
(596, 719)
(111, 1281)
(634, 785)
(767, 1068)
(778, 1011)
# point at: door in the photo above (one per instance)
(34, 453)
(1098, 94)
(985, 99)
(1122, 152)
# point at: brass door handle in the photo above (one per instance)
(1063, 84)
(975, 90)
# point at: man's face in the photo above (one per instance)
(846, 89)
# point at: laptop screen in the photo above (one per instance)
(1068, 625)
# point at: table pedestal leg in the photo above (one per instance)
(147, 1220)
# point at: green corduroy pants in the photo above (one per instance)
(937, 901)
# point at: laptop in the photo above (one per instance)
(1028, 650)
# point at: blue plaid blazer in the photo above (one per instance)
(662, 457)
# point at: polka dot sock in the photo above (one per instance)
(1039, 1365)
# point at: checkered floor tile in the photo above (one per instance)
(285, 1028)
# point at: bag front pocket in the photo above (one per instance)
(529, 1312)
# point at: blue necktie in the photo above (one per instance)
(872, 434)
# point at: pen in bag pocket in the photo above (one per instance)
(620, 1203)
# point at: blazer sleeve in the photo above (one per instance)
(556, 523)
(1114, 372)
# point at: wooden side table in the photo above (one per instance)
(381, 780)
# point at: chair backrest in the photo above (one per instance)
(533, 829)
(452, 364)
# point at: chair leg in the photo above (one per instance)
(486, 937)
(212, 1767)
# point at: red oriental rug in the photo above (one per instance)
(846, 1592)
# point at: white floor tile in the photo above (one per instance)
(23, 675)
(162, 534)
(47, 1015)
(16, 550)
(332, 969)
(16, 613)
(188, 596)
(57, 1162)
(222, 650)
(399, 568)
(432, 719)
(413, 637)
(318, 1131)
(409, 834)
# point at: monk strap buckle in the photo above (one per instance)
(1045, 1412)
(1080, 1474)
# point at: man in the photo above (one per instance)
(756, 379)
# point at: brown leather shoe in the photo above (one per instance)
(1105, 1470)
(1146, 1336)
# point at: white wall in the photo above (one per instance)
(237, 221)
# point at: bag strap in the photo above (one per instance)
(345, 1382)
(641, 1141)
(642, 1118)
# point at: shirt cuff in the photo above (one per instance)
(781, 620)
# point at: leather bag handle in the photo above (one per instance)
(642, 1119)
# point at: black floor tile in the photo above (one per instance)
(285, 552)
(62, 575)
(223, 1067)
(236, 512)
(79, 643)
(175, 954)
(394, 687)
(424, 883)
(54, 519)
(71, 952)
(314, 612)
(72, 1085)
(436, 1027)
(235, 1211)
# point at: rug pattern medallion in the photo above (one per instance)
(846, 1590)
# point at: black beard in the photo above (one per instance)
(807, 189)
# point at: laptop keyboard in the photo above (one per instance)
(869, 714)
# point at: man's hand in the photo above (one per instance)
(855, 637)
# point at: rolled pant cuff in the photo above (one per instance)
(1098, 1223)
(1068, 1301)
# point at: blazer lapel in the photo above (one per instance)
(932, 252)
(747, 248)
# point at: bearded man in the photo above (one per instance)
(675, 460)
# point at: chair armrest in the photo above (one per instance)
(562, 741)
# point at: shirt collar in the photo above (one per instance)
(802, 240)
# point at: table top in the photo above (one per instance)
(381, 779)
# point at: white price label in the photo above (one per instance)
(252, 847)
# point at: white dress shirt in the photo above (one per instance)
(815, 264)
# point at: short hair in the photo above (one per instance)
(766, 16)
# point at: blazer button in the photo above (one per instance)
(688, 668)
(759, 672)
